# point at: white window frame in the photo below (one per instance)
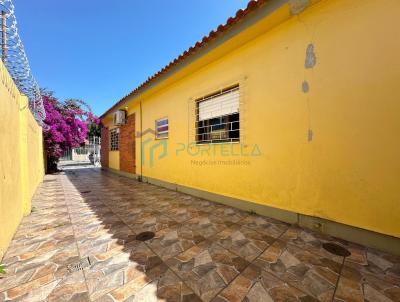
(159, 134)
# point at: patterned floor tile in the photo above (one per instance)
(58, 257)
(265, 225)
(151, 223)
(204, 206)
(132, 218)
(314, 275)
(49, 288)
(205, 226)
(23, 246)
(182, 213)
(207, 268)
(103, 241)
(243, 241)
(256, 284)
(117, 267)
(158, 284)
(202, 251)
(312, 241)
(377, 279)
(72, 288)
(38, 236)
(173, 241)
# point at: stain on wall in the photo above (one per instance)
(297, 6)
(311, 58)
(305, 87)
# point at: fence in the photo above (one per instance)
(88, 152)
(14, 58)
(21, 157)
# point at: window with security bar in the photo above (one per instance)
(162, 128)
(114, 139)
(217, 117)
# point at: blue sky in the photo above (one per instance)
(99, 50)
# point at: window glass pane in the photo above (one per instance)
(218, 118)
(162, 128)
(162, 122)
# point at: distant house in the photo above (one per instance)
(290, 109)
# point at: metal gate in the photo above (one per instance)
(67, 155)
(90, 151)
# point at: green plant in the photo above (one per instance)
(2, 269)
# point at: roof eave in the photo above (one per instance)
(255, 11)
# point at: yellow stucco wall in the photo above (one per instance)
(349, 171)
(113, 160)
(21, 158)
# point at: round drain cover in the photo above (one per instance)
(336, 249)
(145, 236)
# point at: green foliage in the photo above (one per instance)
(94, 130)
(2, 269)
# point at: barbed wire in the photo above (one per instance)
(17, 62)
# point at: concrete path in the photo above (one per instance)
(80, 244)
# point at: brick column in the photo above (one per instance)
(127, 146)
(104, 147)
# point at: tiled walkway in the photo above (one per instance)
(201, 250)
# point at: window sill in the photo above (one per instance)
(221, 143)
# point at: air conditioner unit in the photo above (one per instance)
(119, 117)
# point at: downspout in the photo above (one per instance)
(141, 139)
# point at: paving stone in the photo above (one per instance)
(308, 272)
(243, 241)
(265, 225)
(201, 251)
(256, 284)
(207, 268)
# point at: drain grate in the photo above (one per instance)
(336, 249)
(85, 192)
(78, 266)
(145, 236)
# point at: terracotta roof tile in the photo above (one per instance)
(213, 34)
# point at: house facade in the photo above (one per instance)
(290, 109)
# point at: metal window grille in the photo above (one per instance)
(162, 128)
(217, 117)
(114, 139)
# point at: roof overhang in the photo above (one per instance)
(259, 17)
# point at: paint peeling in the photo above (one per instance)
(310, 135)
(297, 6)
(311, 59)
(305, 87)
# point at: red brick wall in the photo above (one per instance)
(104, 147)
(127, 152)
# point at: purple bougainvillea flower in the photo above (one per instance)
(67, 125)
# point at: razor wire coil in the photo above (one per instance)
(17, 64)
